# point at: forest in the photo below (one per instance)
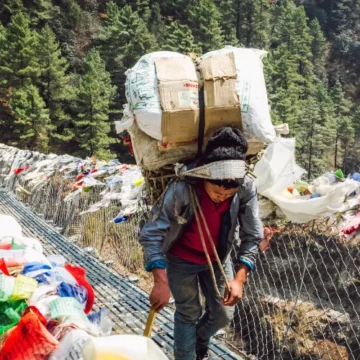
(63, 63)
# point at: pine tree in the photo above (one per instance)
(157, 25)
(353, 161)
(31, 124)
(40, 11)
(4, 94)
(124, 39)
(344, 128)
(315, 132)
(55, 83)
(180, 39)
(318, 49)
(18, 61)
(75, 28)
(2, 36)
(228, 22)
(356, 124)
(135, 37)
(205, 24)
(143, 9)
(176, 9)
(252, 22)
(92, 108)
(308, 135)
(9, 8)
(284, 94)
(289, 68)
(342, 14)
(301, 49)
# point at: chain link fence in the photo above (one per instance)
(302, 302)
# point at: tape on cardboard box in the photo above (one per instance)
(218, 67)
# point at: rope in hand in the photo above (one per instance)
(197, 210)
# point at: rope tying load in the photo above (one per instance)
(197, 210)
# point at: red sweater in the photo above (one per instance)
(189, 247)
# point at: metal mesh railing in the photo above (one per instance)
(302, 302)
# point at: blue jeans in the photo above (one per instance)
(193, 328)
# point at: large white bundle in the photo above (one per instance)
(277, 170)
(149, 156)
(142, 92)
(251, 88)
(162, 94)
(9, 227)
(146, 149)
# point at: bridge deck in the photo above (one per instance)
(127, 304)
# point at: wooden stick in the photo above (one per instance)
(150, 323)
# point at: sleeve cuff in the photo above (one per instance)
(248, 263)
(156, 264)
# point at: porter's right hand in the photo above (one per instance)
(160, 294)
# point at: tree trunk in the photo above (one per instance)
(238, 23)
(336, 150)
(310, 149)
(346, 147)
(250, 30)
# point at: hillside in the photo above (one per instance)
(62, 65)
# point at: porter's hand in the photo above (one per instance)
(160, 294)
(235, 294)
(236, 286)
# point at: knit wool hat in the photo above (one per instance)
(226, 144)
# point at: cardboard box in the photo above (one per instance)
(221, 93)
(179, 98)
(175, 69)
(180, 126)
(216, 118)
(222, 103)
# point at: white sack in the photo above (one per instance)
(251, 88)
(141, 90)
(277, 168)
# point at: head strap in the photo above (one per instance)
(218, 170)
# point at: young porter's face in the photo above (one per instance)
(218, 194)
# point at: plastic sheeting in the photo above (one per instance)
(277, 170)
(30, 340)
(82, 176)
